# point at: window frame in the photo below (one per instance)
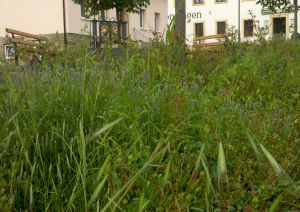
(6, 51)
(221, 2)
(253, 33)
(280, 15)
(142, 19)
(203, 24)
(82, 8)
(226, 25)
(198, 4)
(156, 22)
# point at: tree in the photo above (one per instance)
(94, 7)
(274, 5)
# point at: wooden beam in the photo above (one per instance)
(211, 37)
(24, 42)
(216, 50)
(212, 44)
(16, 32)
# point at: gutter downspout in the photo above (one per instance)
(239, 20)
(65, 30)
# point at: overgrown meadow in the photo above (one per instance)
(153, 131)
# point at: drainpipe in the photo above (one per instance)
(65, 30)
(239, 20)
(296, 19)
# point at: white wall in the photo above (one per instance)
(32, 16)
(212, 12)
(156, 6)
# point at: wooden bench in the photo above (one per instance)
(207, 45)
(28, 42)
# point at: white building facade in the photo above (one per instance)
(212, 17)
(45, 17)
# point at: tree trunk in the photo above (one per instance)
(180, 23)
(296, 19)
(180, 30)
(103, 15)
(118, 11)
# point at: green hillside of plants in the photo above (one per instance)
(151, 131)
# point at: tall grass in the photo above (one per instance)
(147, 133)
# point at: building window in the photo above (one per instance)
(9, 51)
(156, 22)
(279, 27)
(197, 2)
(248, 28)
(103, 15)
(199, 30)
(83, 12)
(221, 27)
(142, 19)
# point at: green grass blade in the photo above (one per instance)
(96, 191)
(101, 171)
(221, 168)
(208, 178)
(126, 187)
(167, 172)
(277, 168)
(254, 146)
(103, 129)
(275, 205)
(199, 158)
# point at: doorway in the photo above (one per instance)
(279, 27)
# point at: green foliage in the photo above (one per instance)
(94, 7)
(144, 132)
(274, 5)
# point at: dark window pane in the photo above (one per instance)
(83, 11)
(248, 28)
(221, 27)
(199, 29)
(198, 1)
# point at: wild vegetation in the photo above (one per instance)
(151, 131)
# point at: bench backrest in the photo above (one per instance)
(211, 37)
(206, 45)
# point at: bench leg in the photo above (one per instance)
(16, 52)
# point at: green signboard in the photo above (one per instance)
(266, 11)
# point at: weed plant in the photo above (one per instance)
(145, 132)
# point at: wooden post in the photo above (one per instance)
(16, 52)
